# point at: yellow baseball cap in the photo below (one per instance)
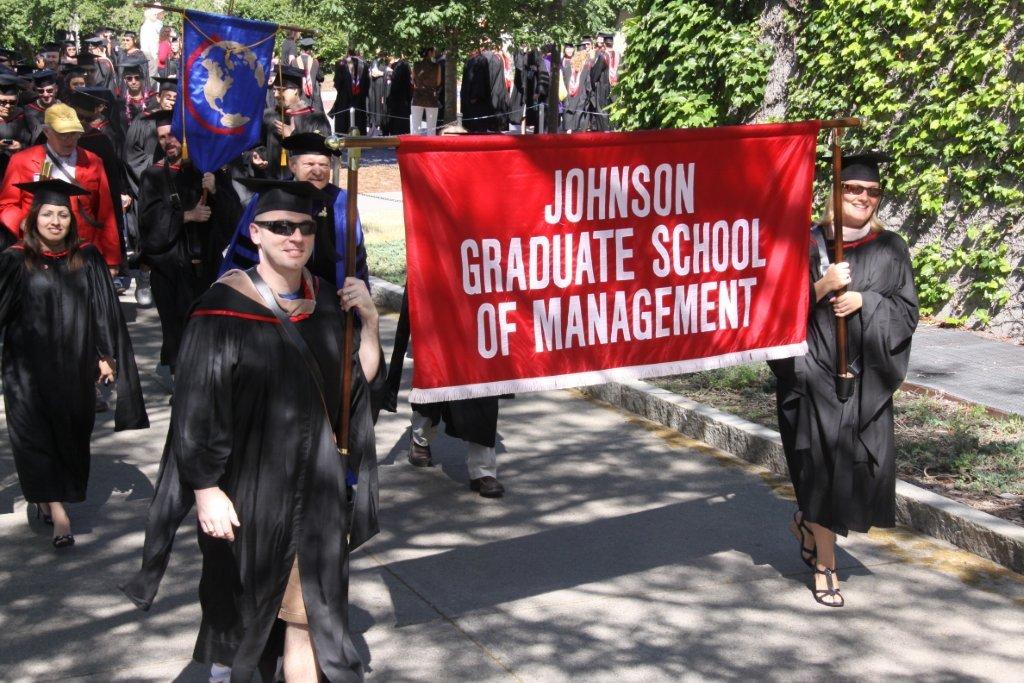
(63, 119)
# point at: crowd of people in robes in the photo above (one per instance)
(251, 276)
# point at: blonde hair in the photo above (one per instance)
(825, 220)
(579, 59)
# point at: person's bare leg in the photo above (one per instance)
(825, 543)
(299, 657)
(61, 521)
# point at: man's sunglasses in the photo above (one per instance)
(858, 190)
(288, 228)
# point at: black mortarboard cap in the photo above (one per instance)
(24, 69)
(862, 166)
(131, 65)
(291, 75)
(49, 47)
(167, 82)
(44, 77)
(70, 42)
(81, 99)
(284, 195)
(8, 54)
(94, 41)
(52, 191)
(307, 143)
(130, 34)
(606, 36)
(11, 80)
(306, 42)
(86, 59)
(587, 39)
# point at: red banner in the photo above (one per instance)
(543, 262)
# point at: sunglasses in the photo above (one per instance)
(288, 228)
(8, 103)
(48, 90)
(858, 190)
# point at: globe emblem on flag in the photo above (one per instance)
(231, 78)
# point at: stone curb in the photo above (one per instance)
(386, 294)
(922, 510)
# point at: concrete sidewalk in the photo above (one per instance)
(969, 367)
(622, 551)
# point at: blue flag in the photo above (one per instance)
(242, 253)
(227, 65)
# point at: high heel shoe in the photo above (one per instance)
(832, 591)
(47, 519)
(797, 528)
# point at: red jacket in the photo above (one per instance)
(94, 212)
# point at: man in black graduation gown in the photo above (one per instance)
(375, 101)
(352, 83)
(179, 232)
(14, 128)
(252, 444)
(139, 153)
(398, 99)
(44, 82)
(299, 117)
(483, 96)
(600, 86)
(136, 97)
(312, 76)
(289, 48)
(105, 75)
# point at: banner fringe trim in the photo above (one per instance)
(583, 379)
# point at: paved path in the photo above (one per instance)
(623, 552)
(970, 367)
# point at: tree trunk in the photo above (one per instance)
(551, 125)
(451, 80)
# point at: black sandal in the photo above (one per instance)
(47, 519)
(831, 591)
(65, 541)
(808, 555)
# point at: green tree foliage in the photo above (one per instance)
(939, 84)
(691, 63)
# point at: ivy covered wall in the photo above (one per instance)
(939, 84)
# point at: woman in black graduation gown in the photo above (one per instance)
(842, 455)
(62, 329)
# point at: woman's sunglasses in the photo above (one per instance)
(858, 190)
(288, 228)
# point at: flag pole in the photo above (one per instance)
(351, 244)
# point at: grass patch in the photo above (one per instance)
(386, 258)
(937, 441)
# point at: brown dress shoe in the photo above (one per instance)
(419, 456)
(488, 487)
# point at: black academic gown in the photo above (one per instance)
(315, 78)
(57, 323)
(35, 116)
(352, 84)
(575, 118)
(14, 128)
(105, 75)
(248, 418)
(169, 244)
(375, 100)
(600, 93)
(399, 99)
(483, 96)
(305, 120)
(842, 456)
